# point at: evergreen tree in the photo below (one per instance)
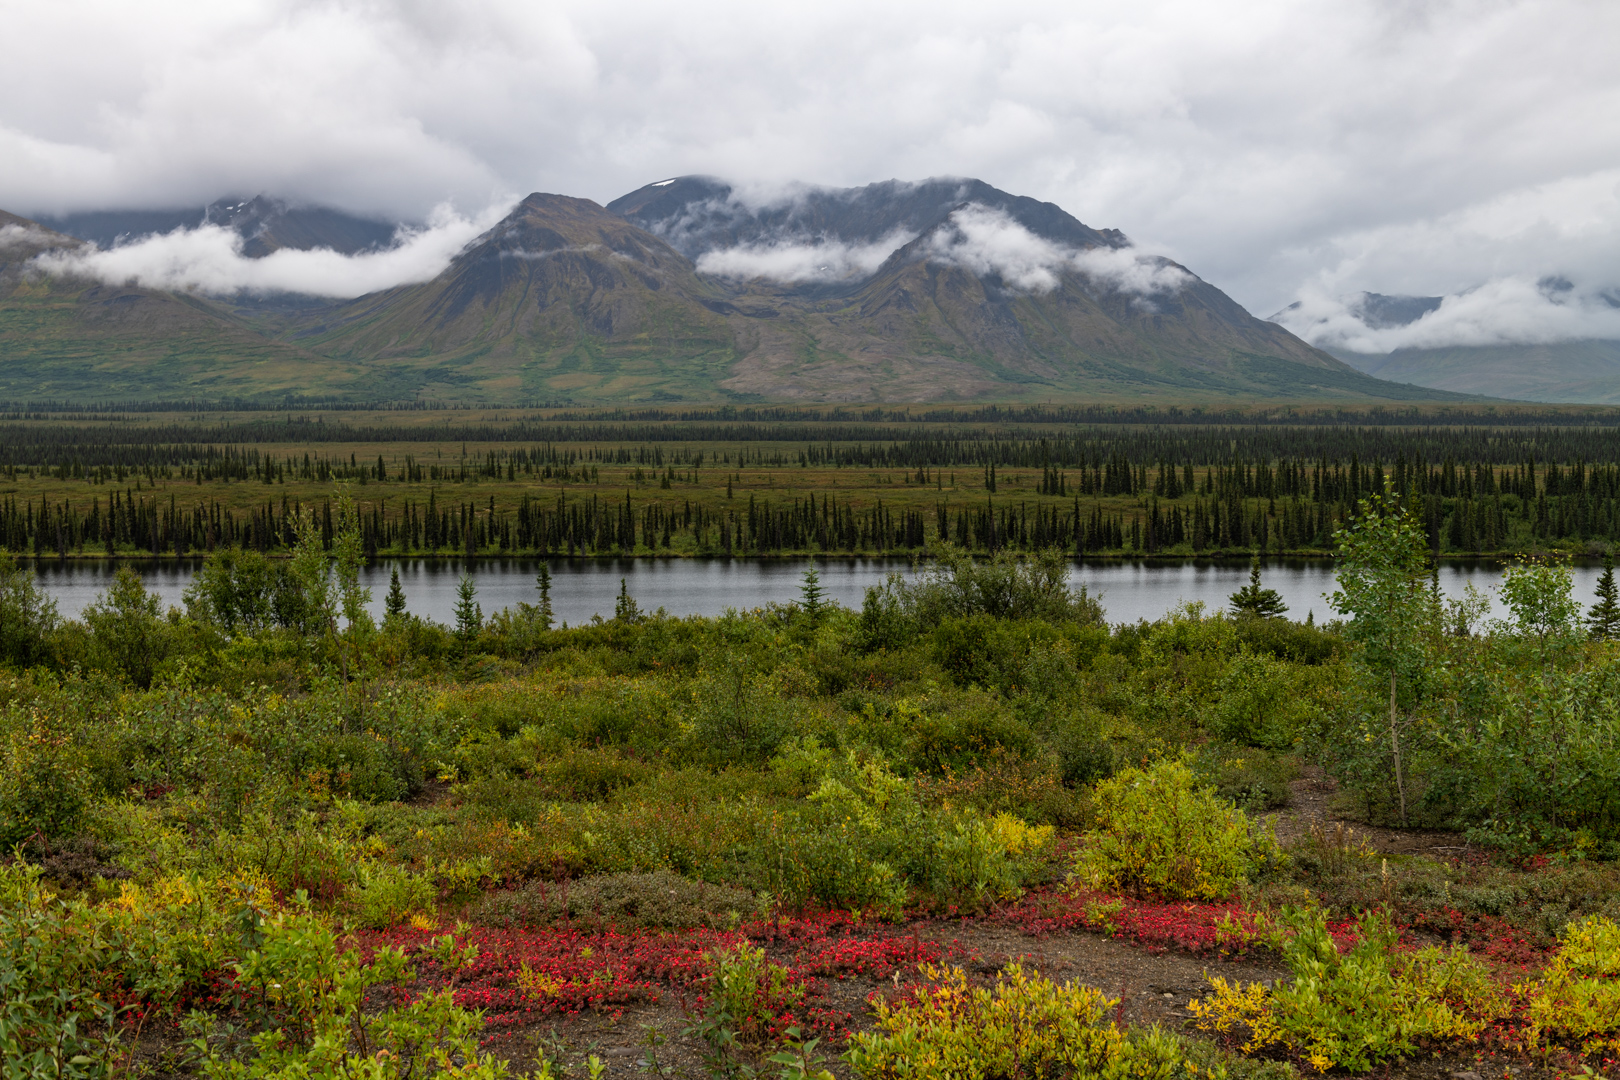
(542, 582)
(624, 608)
(394, 603)
(469, 615)
(811, 595)
(1603, 620)
(1253, 600)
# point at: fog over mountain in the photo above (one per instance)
(946, 289)
(1540, 341)
(1282, 150)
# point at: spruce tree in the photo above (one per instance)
(624, 608)
(811, 595)
(1603, 620)
(1254, 600)
(542, 582)
(469, 615)
(394, 604)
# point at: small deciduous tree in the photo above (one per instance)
(1383, 589)
(128, 630)
(1538, 593)
(27, 616)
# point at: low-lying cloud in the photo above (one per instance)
(209, 259)
(989, 241)
(1502, 311)
(27, 237)
(794, 261)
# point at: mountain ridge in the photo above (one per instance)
(994, 296)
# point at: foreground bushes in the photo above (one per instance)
(1160, 831)
(1022, 1025)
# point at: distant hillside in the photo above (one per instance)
(62, 338)
(947, 290)
(1577, 372)
(264, 224)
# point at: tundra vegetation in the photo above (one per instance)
(268, 836)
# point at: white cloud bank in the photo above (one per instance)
(1259, 142)
(989, 241)
(1504, 311)
(818, 260)
(209, 259)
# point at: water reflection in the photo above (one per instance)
(580, 589)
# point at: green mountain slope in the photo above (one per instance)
(564, 300)
(62, 338)
(560, 300)
(1584, 372)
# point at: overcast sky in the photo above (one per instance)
(1279, 149)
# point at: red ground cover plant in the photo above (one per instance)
(521, 976)
(1225, 928)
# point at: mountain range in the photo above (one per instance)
(683, 290)
(1582, 371)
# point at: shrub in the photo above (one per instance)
(52, 1023)
(44, 783)
(1005, 587)
(1159, 831)
(127, 629)
(748, 992)
(622, 901)
(1354, 1010)
(308, 1002)
(387, 895)
(1022, 1026)
(1578, 997)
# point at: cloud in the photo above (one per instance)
(988, 241)
(25, 238)
(803, 260)
(209, 259)
(1503, 311)
(1262, 143)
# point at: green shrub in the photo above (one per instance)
(1353, 1010)
(385, 895)
(579, 774)
(1160, 831)
(44, 781)
(52, 1021)
(309, 1001)
(1250, 778)
(623, 901)
(128, 632)
(1023, 1025)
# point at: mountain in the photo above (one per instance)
(561, 299)
(944, 315)
(699, 215)
(63, 338)
(689, 290)
(265, 224)
(1578, 372)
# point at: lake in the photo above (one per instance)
(1129, 590)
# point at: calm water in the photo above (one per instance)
(1129, 590)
